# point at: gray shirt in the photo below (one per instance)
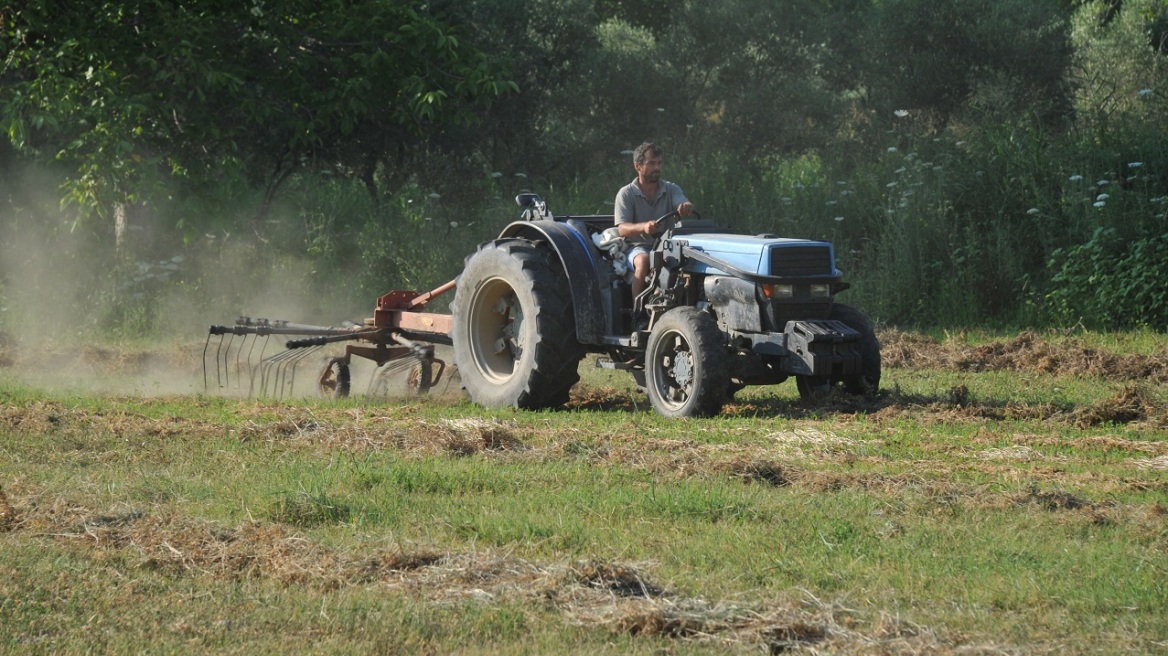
(632, 206)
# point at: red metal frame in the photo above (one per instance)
(400, 310)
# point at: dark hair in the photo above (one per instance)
(646, 149)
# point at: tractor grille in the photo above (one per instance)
(779, 313)
(801, 261)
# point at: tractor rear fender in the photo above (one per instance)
(579, 264)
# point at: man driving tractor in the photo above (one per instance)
(639, 203)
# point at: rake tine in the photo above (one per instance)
(377, 379)
(289, 373)
(295, 363)
(220, 375)
(271, 370)
(276, 371)
(266, 373)
(238, 357)
(225, 381)
(260, 367)
(250, 350)
(282, 373)
(206, 345)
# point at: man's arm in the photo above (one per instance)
(624, 215)
(634, 229)
(677, 196)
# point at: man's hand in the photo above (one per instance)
(685, 209)
(650, 228)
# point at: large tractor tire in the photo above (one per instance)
(514, 330)
(687, 369)
(868, 380)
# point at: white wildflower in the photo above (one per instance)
(1102, 197)
(839, 219)
(901, 113)
(1135, 165)
(1144, 93)
(1100, 203)
(1075, 178)
(1033, 210)
(1103, 183)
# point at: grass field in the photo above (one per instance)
(1000, 495)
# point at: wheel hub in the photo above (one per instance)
(683, 368)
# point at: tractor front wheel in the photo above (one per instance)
(687, 371)
(514, 331)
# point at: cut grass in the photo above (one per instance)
(959, 512)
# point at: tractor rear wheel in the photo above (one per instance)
(687, 371)
(514, 330)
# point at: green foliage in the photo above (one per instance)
(948, 150)
(196, 90)
(1109, 283)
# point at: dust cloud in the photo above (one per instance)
(73, 310)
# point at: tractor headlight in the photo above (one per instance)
(820, 291)
(778, 291)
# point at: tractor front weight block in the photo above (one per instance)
(821, 348)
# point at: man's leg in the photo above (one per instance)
(640, 271)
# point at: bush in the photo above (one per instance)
(1108, 283)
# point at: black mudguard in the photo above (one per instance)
(580, 264)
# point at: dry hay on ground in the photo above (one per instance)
(1027, 352)
(607, 595)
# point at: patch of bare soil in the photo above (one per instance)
(613, 596)
(1027, 352)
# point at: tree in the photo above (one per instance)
(133, 94)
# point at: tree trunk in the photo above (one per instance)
(133, 231)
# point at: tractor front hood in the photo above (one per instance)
(760, 256)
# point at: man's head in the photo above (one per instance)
(647, 161)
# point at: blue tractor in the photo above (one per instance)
(723, 311)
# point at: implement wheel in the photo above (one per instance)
(420, 378)
(514, 331)
(334, 380)
(687, 371)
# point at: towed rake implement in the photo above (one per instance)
(398, 339)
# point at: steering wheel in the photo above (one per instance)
(667, 221)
